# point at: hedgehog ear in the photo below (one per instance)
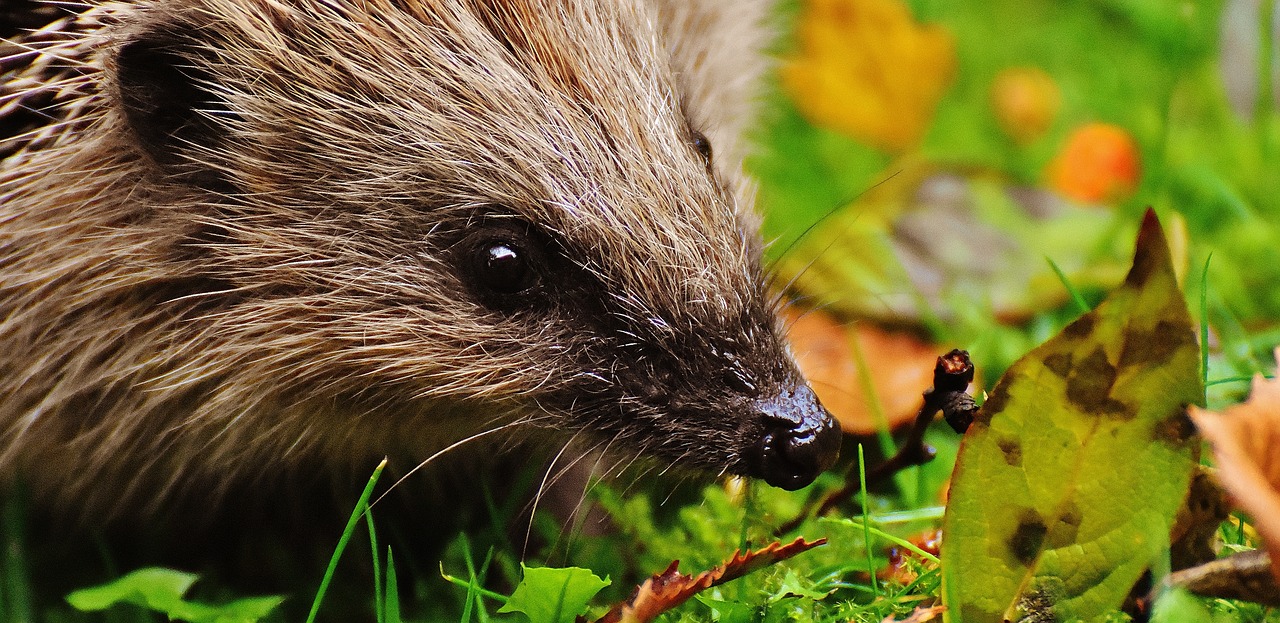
(169, 105)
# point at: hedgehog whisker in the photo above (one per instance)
(542, 487)
(550, 481)
(451, 447)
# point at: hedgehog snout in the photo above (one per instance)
(800, 439)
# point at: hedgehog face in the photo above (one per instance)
(703, 385)
(480, 204)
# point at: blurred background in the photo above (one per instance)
(940, 174)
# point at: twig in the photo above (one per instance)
(951, 376)
(1244, 575)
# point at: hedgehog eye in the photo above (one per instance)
(702, 145)
(503, 268)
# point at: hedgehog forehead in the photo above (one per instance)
(558, 100)
(564, 111)
(614, 160)
(466, 53)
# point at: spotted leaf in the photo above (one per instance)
(1067, 483)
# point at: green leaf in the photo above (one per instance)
(1179, 606)
(1067, 483)
(247, 610)
(161, 590)
(794, 586)
(727, 611)
(152, 588)
(551, 595)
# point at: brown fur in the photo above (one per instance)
(274, 281)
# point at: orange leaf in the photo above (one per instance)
(900, 367)
(897, 570)
(1244, 439)
(670, 588)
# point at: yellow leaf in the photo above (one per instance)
(1067, 482)
(868, 69)
(1026, 101)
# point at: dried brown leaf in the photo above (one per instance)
(670, 588)
(1244, 439)
(900, 366)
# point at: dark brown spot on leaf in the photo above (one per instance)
(1081, 327)
(1151, 253)
(1143, 267)
(1067, 526)
(1028, 538)
(1059, 364)
(1155, 346)
(1175, 430)
(1089, 386)
(994, 404)
(1118, 409)
(1012, 451)
(1071, 516)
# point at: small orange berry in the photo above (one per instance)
(1099, 163)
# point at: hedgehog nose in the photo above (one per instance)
(800, 439)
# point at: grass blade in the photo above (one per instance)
(359, 510)
(378, 603)
(866, 522)
(1204, 325)
(392, 606)
(1081, 304)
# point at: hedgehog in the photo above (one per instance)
(248, 237)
